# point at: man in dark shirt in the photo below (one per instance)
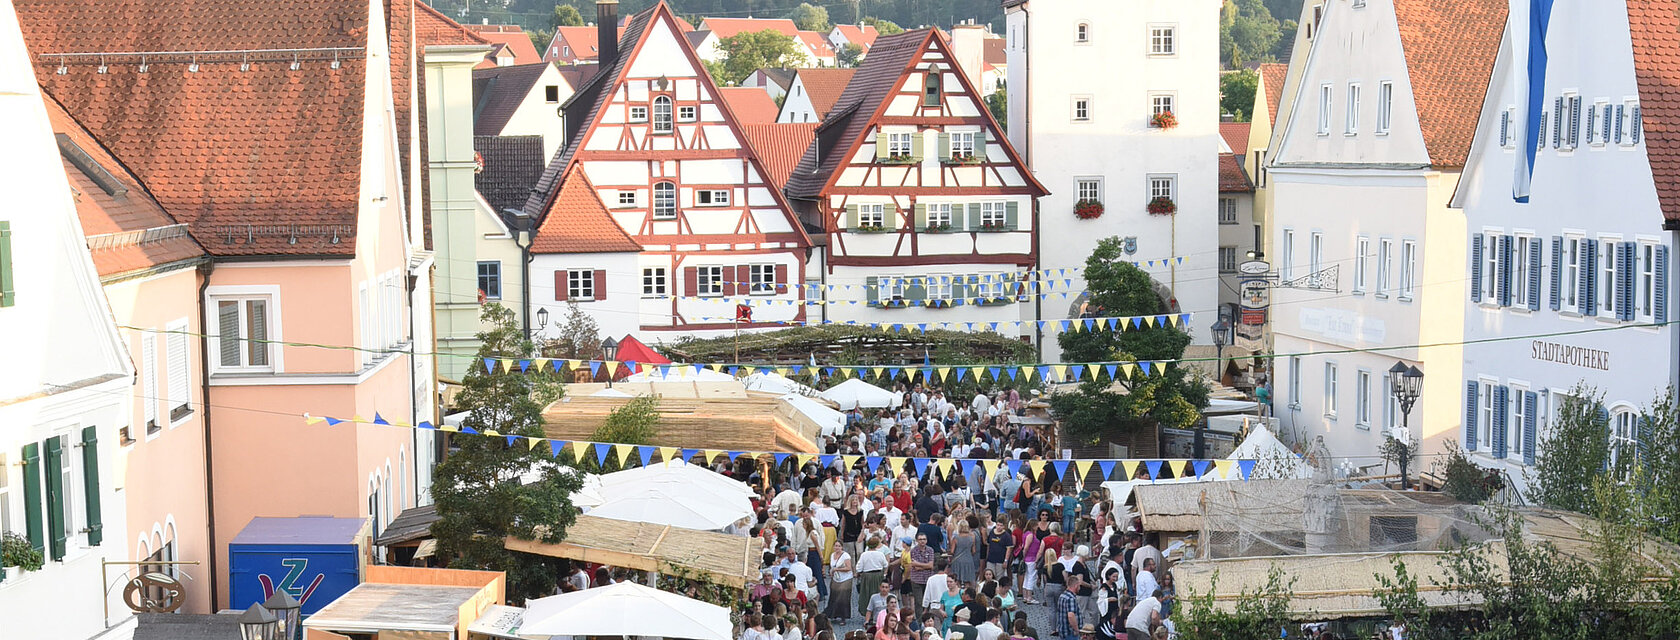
(998, 543)
(934, 531)
(926, 506)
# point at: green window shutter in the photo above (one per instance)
(32, 496)
(980, 144)
(851, 216)
(944, 146)
(957, 218)
(921, 217)
(90, 480)
(973, 215)
(872, 290)
(916, 289)
(880, 146)
(8, 296)
(1011, 214)
(916, 146)
(893, 219)
(57, 528)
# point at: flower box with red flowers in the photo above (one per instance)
(1162, 206)
(1088, 209)
(993, 227)
(1164, 120)
(964, 159)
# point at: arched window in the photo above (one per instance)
(662, 114)
(930, 87)
(664, 200)
(1624, 437)
(1082, 32)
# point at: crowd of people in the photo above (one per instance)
(959, 557)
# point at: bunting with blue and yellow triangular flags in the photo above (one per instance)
(944, 467)
(1201, 467)
(1107, 468)
(666, 453)
(1154, 467)
(1084, 468)
(554, 447)
(991, 466)
(1247, 468)
(1037, 467)
(1130, 466)
(1222, 467)
(1177, 467)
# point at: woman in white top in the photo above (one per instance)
(840, 585)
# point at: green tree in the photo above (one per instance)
(1236, 94)
(566, 15)
(883, 27)
(1575, 451)
(743, 53)
(634, 423)
(1248, 32)
(480, 495)
(998, 103)
(809, 17)
(849, 56)
(541, 38)
(579, 338)
(1260, 613)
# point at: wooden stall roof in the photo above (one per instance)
(719, 557)
(716, 419)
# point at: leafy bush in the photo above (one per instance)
(15, 551)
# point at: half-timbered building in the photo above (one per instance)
(926, 207)
(661, 151)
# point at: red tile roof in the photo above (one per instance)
(825, 86)
(779, 146)
(1272, 75)
(994, 53)
(517, 43)
(1450, 48)
(258, 162)
(751, 105)
(1231, 176)
(863, 36)
(817, 44)
(127, 229)
(1655, 26)
(577, 222)
(584, 42)
(432, 28)
(725, 27)
(1235, 135)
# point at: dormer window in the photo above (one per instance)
(662, 114)
(930, 87)
(1082, 32)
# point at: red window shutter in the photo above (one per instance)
(781, 278)
(743, 280)
(691, 281)
(560, 285)
(600, 284)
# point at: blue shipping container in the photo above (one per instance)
(316, 559)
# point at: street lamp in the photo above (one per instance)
(286, 612)
(542, 322)
(258, 624)
(1221, 339)
(1405, 384)
(609, 352)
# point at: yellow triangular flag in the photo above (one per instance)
(623, 451)
(1131, 469)
(1084, 467)
(1026, 372)
(667, 454)
(357, 420)
(507, 365)
(896, 464)
(1177, 467)
(531, 443)
(850, 461)
(1037, 467)
(711, 456)
(540, 364)
(579, 451)
(879, 371)
(991, 466)
(490, 432)
(944, 373)
(612, 368)
(716, 367)
(1127, 369)
(1222, 467)
(1061, 372)
(782, 371)
(450, 428)
(977, 371)
(1149, 320)
(944, 465)
(309, 419)
(806, 458)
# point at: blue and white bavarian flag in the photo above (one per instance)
(1539, 17)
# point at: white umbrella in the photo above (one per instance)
(625, 609)
(610, 392)
(857, 393)
(775, 383)
(832, 422)
(679, 471)
(677, 505)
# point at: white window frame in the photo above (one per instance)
(688, 113)
(1163, 40)
(664, 200)
(1362, 398)
(75, 491)
(1607, 275)
(1516, 413)
(1408, 268)
(872, 214)
(1645, 281)
(1624, 432)
(708, 280)
(939, 287)
(1385, 266)
(6, 495)
(664, 115)
(938, 213)
(1519, 271)
(1082, 32)
(1569, 300)
(1391, 406)
(994, 213)
(1227, 210)
(1361, 263)
(1089, 188)
(1627, 124)
(1352, 111)
(495, 278)
(175, 339)
(1080, 109)
(1568, 118)
(1315, 252)
(270, 296)
(148, 372)
(1330, 390)
(889, 288)
(1286, 270)
(900, 144)
(1484, 408)
(962, 144)
(1228, 259)
(656, 282)
(638, 114)
(1599, 134)
(1490, 268)
(711, 197)
(1162, 102)
(1385, 107)
(627, 198)
(580, 285)
(1163, 185)
(1326, 102)
(1295, 382)
(761, 279)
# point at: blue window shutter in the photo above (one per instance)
(1557, 131)
(1557, 272)
(1624, 281)
(1592, 123)
(1641, 437)
(1534, 274)
(1659, 303)
(1531, 401)
(1504, 128)
(1501, 416)
(1618, 124)
(1589, 277)
(1606, 124)
(1604, 426)
(1504, 271)
(1470, 416)
(1476, 268)
(1637, 124)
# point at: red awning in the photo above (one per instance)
(632, 350)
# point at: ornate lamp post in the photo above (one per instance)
(609, 351)
(258, 624)
(1405, 384)
(286, 611)
(1221, 337)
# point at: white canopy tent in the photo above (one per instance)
(610, 392)
(857, 393)
(775, 383)
(832, 422)
(677, 471)
(625, 609)
(675, 504)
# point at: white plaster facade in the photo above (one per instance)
(613, 297)
(797, 106)
(1075, 129)
(1562, 285)
(1238, 232)
(538, 114)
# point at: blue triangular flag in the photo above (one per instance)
(489, 365)
(558, 364)
(1061, 468)
(1247, 467)
(554, 446)
(960, 372)
(1066, 324)
(1014, 465)
(1154, 467)
(1012, 371)
(968, 465)
(1107, 467)
(469, 430)
(826, 461)
(892, 372)
(994, 372)
(379, 419)
(601, 449)
(1144, 365)
(425, 424)
(646, 454)
(687, 454)
(874, 462)
(1137, 321)
(732, 455)
(1111, 369)
(510, 439)
(1090, 324)
(779, 457)
(1201, 467)
(594, 368)
(1044, 372)
(524, 365)
(332, 422)
(921, 467)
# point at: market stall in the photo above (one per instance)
(625, 610)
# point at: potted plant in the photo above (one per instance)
(1162, 206)
(1088, 209)
(901, 160)
(938, 228)
(870, 228)
(991, 226)
(1164, 120)
(964, 158)
(16, 554)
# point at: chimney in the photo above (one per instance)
(606, 21)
